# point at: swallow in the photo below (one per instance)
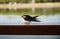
(29, 18)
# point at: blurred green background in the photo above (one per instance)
(38, 11)
(28, 1)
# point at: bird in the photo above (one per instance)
(29, 18)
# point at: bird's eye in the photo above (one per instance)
(24, 16)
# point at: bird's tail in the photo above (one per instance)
(38, 21)
(35, 16)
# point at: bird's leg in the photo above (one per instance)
(27, 22)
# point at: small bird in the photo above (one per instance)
(29, 18)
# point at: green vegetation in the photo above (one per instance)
(47, 11)
(15, 12)
(50, 11)
(18, 1)
(27, 1)
(42, 1)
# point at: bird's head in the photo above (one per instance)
(24, 16)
